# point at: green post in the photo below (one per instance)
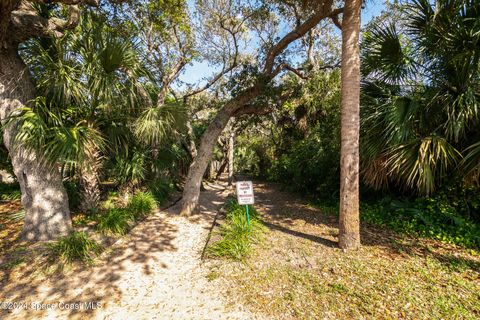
(248, 217)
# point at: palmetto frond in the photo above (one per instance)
(470, 164)
(421, 163)
(60, 140)
(386, 56)
(420, 103)
(57, 71)
(156, 124)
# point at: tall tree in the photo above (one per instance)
(242, 101)
(43, 195)
(349, 234)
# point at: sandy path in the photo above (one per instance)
(154, 273)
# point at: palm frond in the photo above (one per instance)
(155, 124)
(421, 163)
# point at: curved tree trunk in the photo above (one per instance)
(191, 191)
(43, 195)
(349, 235)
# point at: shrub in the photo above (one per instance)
(116, 221)
(427, 217)
(141, 204)
(236, 235)
(76, 246)
(160, 189)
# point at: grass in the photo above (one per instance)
(299, 272)
(292, 279)
(141, 204)
(75, 247)
(115, 221)
(236, 237)
(350, 287)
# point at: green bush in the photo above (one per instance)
(236, 236)
(426, 217)
(77, 246)
(310, 166)
(160, 189)
(115, 221)
(141, 204)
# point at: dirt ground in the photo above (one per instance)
(296, 272)
(153, 273)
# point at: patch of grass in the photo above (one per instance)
(115, 221)
(141, 204)
(357, 286)
(75, 247)
(236, 236)
(10, 192)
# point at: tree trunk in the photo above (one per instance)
(88, 181)
(221, 169)
(230, 157)
(349, 235)
(43, 195)
(191, 191)
(192, 149)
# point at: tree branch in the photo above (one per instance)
(27, 23)
(295, 71)
(297, 33)
(336, 21)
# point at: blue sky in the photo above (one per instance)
(199, 70)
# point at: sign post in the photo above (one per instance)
(245, 195)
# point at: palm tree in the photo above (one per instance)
(349, 233)
(90, 81)
(421, 97)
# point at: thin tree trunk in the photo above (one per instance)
(349, 235)
(43, 195)
(191, 191)
(221, 169)
(230, 157)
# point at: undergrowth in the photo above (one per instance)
(141, 204)
(236, 236)
(75, 247)
(117, 220)
(10, 192)
(160, 190)
(432, 218)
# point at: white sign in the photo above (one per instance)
(245, 192)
